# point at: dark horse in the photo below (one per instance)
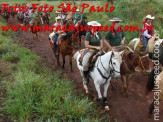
(6, 15)
(45, 18)
(156, 81)
(20, 17)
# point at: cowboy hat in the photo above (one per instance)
(41, 4)
(57, 12)
(57, 18)
(94, 23)
(115, 19)
(149, 17)
(77, 9)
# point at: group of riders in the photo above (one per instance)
(93, 40)
(27, 17)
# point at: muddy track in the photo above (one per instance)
(131, 109)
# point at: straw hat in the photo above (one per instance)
(149, 17)
(57, 18)
(94, 23)
(115, 19)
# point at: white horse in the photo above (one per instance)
(105, 67)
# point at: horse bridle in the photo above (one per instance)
(109, 72)
(142, 62)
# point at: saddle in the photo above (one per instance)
(92, 59)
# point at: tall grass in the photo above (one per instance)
(34, 93)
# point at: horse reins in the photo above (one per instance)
(109, 72)
(142, 62)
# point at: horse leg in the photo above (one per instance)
(123, 78)
(127, 83)
(85, 85)
(36, 35)
(105, 102)
(151, 108)
(70, 57)
(63, 57)
(58, 59)
(97, 86)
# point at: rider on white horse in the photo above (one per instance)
(93, 42)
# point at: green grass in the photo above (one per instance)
(32, 92)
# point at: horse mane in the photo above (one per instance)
(150, 83)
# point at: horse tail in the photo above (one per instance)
(76, 55)
(151, 79)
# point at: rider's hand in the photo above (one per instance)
(98, 48)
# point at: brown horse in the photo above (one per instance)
(45, 18)
(66, 46)
(13, 13)
(20, 17)
(130, 61)
(36, 24)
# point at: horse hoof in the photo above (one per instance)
(107, 108)
(96, 99)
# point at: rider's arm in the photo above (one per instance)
(90, 46)
(146, 34)
(87, 45)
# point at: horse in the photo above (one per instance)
(82, 33)
(45, 18)
(66, 46)
(137, 45)
(151, 84)
(20, 17)
(130, 61)
(13, 13)
(6, 15)
(36, 24)
(105, 67)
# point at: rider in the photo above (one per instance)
(116, 37)
(93, 43)
(77, 16)
(58, 14)
(26, 16)
(33, 17)
(63, 14)
(147, 31)
(57, 23)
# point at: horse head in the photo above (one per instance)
(115, 63)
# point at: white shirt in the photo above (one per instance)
(145, 33)
(55, 26)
